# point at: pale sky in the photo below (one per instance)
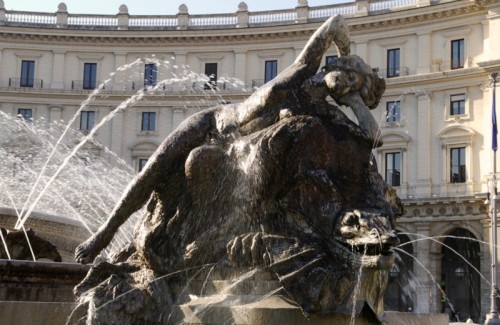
(156, 7)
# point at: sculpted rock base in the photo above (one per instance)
(282, 184)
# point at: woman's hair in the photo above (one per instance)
(356, 75)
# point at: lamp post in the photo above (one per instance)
(492, 317)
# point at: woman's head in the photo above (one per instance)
(348, 74)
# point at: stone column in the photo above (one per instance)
(240, 65)
(58, 68)
(435, 265)
(425, 296)
(485, 266)
(424, 52)
(119, 77)
(423, 139)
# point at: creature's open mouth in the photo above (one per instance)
(370, 255)
(371, 249)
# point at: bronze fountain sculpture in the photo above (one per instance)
(283, 182)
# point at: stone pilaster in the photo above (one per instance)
(424, 52)
(58, 68)
(423, 139)
(492, 46)
(119, 77)
(425, 293)
(240, 65)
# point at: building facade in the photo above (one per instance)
(151, 72)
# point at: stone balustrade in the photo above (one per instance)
(183, 20)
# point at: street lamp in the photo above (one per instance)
(394, 272)
(459, 272)
(492, 317)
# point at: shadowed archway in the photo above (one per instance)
(401, 294)
(459, 280)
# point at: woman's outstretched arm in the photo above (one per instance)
(190, 134)
(263, 104)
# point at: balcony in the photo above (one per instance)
(85, 85)
(25, 83)
(183, 20)
(393, 72)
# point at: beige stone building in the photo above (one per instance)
(435, 117)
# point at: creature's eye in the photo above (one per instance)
(351, 220)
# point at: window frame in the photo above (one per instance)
(461, 103)
(456, 136)
(27, 74)
(211, 71)
(141, 163)
(393, 62)
(148, 120)
(89, 75)
(460, 164)
(457, 58)
(150, 74)
(393, 118)
(20, 112)
(392, 164)
(88, 125)
(270, 70)
(448, 116)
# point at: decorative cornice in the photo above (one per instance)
(135, 38)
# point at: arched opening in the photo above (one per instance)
(400, 294)
(459, 280)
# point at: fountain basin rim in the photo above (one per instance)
(44, 216)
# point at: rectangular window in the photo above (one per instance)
(393, 168)
(330, 59)
(457, 54)
(27, 73)
(457, 104)
(271, 70)
(211, 72)
(393, 111)
(150, 75)
(393, 63)
(89, 75)
(25, 114)
(148, 121)
(87, 119)
(142, 163)
(457, 165)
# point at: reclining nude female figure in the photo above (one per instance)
(344, 82)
